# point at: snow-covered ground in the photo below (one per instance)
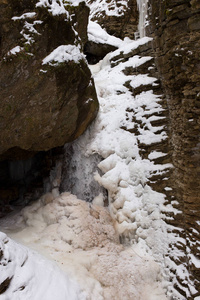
(82, 240)
(30, 276)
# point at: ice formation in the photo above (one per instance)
(81, 238)
(142, 7)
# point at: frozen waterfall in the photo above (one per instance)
(142, 7)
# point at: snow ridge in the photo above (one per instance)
(22, 271)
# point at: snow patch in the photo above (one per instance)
(33, 276)
(98, 35)
(15, 50)
(63, 53)
(29, 15)
(55, 7)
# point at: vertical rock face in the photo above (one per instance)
(46, 91)
(119, 18)
(175, 27)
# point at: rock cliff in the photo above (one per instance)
(119, 18)
(175, 28)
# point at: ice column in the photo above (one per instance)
(78, 171)
(142, 7)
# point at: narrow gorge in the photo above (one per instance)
(99, 150)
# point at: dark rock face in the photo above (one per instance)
(124, 24)
(175, 27)
(96, 51)
(43, 105)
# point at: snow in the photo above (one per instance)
(55, 7)
(130, 45)
(15, 50)
(63, 53)
(156, 154)
(99, 35)
(138, 211)
(32, 276)
(25, 16)
(81, 238)
(28, 32)
(109, 8)
(194, 260)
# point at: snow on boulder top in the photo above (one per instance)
(62, 54)
(99, 35)
(56, 7)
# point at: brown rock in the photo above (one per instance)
(175, 28)
(123, 25)
(42, 106)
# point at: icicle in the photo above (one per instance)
(142, 7)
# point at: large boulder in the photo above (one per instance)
(47, 94)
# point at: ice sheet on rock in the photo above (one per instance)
(62, 54)
(80, 168)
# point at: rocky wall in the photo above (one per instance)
(175, 27)
(119, 18)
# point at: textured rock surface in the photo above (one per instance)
(175, 27)
(42, 106)
(117, 17)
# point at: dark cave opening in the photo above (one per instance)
(22, 176)
(92, 59)
(96, 51)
